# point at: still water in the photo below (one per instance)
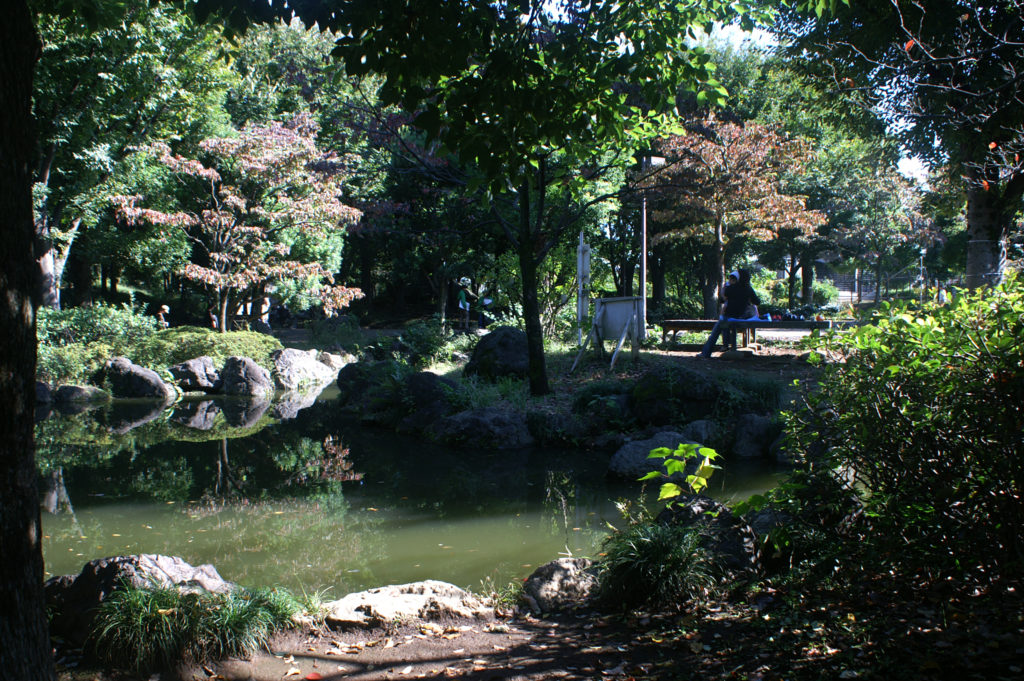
(319, 503)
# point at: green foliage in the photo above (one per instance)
(74, 343)
(177, 344)
(118, 326)
(340, 331)
(652, 564)
(71, 364)
(922, 423)
(153, 629)
(676, 463)
(823, 292)
(751, 391)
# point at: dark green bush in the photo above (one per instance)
(152, 629)
(923, 420)
(656, 565)
(175, 345)
(119, 327)
(75, 342)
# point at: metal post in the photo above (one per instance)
(643, 266)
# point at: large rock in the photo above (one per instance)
(502, 352)
(730, 540)
(428, 398)
(631, 460)
(243, 376)
(128, 380)
(72, 599)
(429, 600)
(753, 436)
(336, 361)
(489, 428)
(300, 370)
(43, 393)
(79, 394)
(563, 584)
(197, 375)
(669, 395)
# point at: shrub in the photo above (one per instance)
(74, 343)
(340, 331)
(175, 345)
(651, 564)
(151, 629)
(74, 363)
(923, 423)
(119, 327)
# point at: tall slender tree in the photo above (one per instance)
(947, 76)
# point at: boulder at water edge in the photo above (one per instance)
(73, 599)
(300, 370)
(563, 584)
(128, 380)
(243, 376)
(502, 352)
(197, 375)
(631, 461)
(428, 600)
(490, 428)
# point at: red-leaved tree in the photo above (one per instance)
(255, 213)
(723, 180)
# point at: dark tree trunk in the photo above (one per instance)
(531, 304)
(658, 286)
(79, 275)
(987, 228)
(24, 640)
(807, 281)
(711, 281)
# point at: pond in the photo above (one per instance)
(319, 503)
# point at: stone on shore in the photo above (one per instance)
(430, 600)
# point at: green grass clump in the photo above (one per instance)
(654, 565)
(152, 629)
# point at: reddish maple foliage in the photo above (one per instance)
(261, 191)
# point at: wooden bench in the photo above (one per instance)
(749, 328)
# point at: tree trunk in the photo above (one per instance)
(531, 304)
(24, 640)
(658, 285)
(987, 229)
(807, 282)
(716, 276)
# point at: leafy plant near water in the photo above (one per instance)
(923, 424)
(676, 462)
(654, 564)
(151, 629)
(74, 343)
(651, 563)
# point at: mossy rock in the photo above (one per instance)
(669, 395)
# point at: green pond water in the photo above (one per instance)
(318, 503)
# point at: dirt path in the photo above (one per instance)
(520, 649)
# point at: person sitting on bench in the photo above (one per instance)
(740, 303)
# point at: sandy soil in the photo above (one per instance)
(520, 649)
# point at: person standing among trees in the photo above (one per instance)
(465, 295)
(740, 303)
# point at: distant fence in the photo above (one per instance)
(863, 288)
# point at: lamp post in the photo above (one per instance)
(648, 161)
